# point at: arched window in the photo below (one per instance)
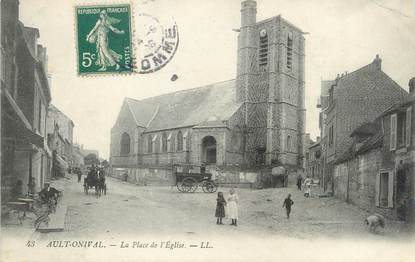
(164, 142)
(149, 144)
(170, 142)
(125, 144)
(179, 141)
(288, 146)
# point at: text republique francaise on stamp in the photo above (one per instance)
(106, 44)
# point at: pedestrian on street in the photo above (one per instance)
(79, 173)
(233, 206)
(287, 204)
(299, 180)
(307, 187)
(220, 208)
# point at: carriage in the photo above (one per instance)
(189, 177)
(97, 181)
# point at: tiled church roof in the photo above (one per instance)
(206, 106)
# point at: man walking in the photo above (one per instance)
(287, 204)
(299, 180)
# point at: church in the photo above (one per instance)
(256, 120)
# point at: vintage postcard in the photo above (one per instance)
(193, 130)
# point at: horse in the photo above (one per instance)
(92, 181)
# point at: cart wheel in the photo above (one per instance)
(179, 187)
(189, 184)
(209, 187)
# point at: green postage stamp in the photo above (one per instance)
(104, 39)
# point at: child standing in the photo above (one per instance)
(287, 204)
(233, 206)
(220, 208)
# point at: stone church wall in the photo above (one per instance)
(125, 124)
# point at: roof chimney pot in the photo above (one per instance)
(378, 62)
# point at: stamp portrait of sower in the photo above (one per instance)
(104, 39)
(99, 35)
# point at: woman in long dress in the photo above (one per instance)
(99, 36)
(233, 206)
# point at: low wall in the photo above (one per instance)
(144, 176)
(163, 176)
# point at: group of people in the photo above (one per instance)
(304, 185)
(95, 174)
(230, 206)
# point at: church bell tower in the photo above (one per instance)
(270, 87)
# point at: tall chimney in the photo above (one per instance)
(246, 48)
(248, 13)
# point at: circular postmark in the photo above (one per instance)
(157, 43)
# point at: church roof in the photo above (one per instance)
(209, 105)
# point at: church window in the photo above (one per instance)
(263, 48)
(125, 144)
(170, 142)
(288, 147)
(289, 50)
(179, 141)
(185, 141)
(154, 144)
(149, 144)
(164, 142)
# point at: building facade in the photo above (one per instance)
(58, 121)
(313, 161)
(354, 98)
(25, 95)
(256, 120)
(377, 172)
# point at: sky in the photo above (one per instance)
(342, 36)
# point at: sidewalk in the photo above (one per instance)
(12, 229)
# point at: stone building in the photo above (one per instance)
(256, 120)
(354, 98)
(25, 95)
(313, 161)
(377, 171)
(57, 119)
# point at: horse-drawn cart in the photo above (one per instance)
(95, 179)
(189, 177)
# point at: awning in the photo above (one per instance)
(23, 127)
(62, 163)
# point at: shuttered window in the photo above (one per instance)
(384, 189)
(408, 126)
(390, 190)
(393, 132)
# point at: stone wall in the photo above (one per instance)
(125, 124)
(355, 182)
(163, 176)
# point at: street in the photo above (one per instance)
(128, 210)
(123, 224)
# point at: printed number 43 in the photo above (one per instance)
(87, 59)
